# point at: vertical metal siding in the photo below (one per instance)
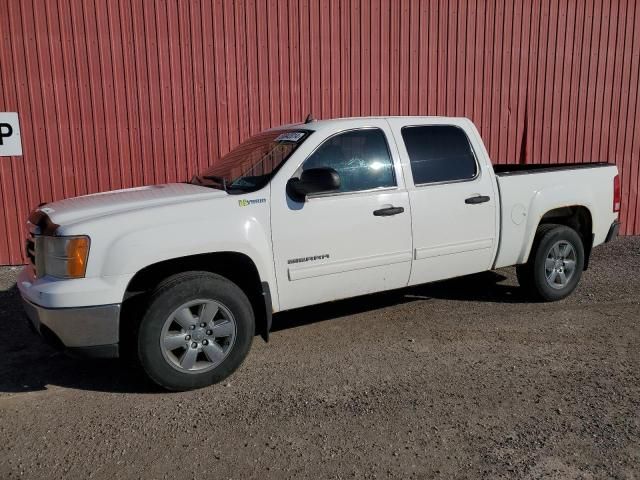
(118, 93)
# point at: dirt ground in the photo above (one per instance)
(460, 379)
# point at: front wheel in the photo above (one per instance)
(555, 263)
(197, 330)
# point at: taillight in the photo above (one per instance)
(616, 193)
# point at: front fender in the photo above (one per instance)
(122, 245)
(138, 249)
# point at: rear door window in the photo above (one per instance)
(439, 153)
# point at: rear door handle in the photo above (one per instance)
(477, 199)
(388, 211)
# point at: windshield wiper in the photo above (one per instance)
(219, 180)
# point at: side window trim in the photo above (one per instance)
(478, 174)
(352, 192)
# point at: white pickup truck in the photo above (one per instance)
(182, 276)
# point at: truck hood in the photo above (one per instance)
(90, 207)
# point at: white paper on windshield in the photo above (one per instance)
(290, 137)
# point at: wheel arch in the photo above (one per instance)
(576, 217)
(237, 267)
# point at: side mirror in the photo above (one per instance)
(314, 180)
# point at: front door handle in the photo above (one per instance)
(477, 199)
(388, 211)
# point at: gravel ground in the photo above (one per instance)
(461, 379)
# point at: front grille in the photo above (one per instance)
(31, 249)
(38, 225)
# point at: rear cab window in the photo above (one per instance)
(439, 153)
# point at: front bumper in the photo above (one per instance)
(91, 331)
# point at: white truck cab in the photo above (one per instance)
(180, 277)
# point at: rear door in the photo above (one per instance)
(350, 242)
(452, 195)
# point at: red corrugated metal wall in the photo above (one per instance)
(118, 93)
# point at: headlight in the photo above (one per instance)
(62, 257)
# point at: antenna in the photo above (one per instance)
(309, 119)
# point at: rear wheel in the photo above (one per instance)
(197, 330)
(555, 263)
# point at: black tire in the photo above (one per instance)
(532, 276)
(171, 294)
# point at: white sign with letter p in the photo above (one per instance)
(10, 143)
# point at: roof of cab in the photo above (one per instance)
(321, 124)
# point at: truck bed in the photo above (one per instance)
(524, 169)
(528, 192)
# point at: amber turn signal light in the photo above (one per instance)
(77, 253)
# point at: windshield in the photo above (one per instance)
(251, 164)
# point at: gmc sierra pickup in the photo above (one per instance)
(180, 277)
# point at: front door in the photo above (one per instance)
(350, 242)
